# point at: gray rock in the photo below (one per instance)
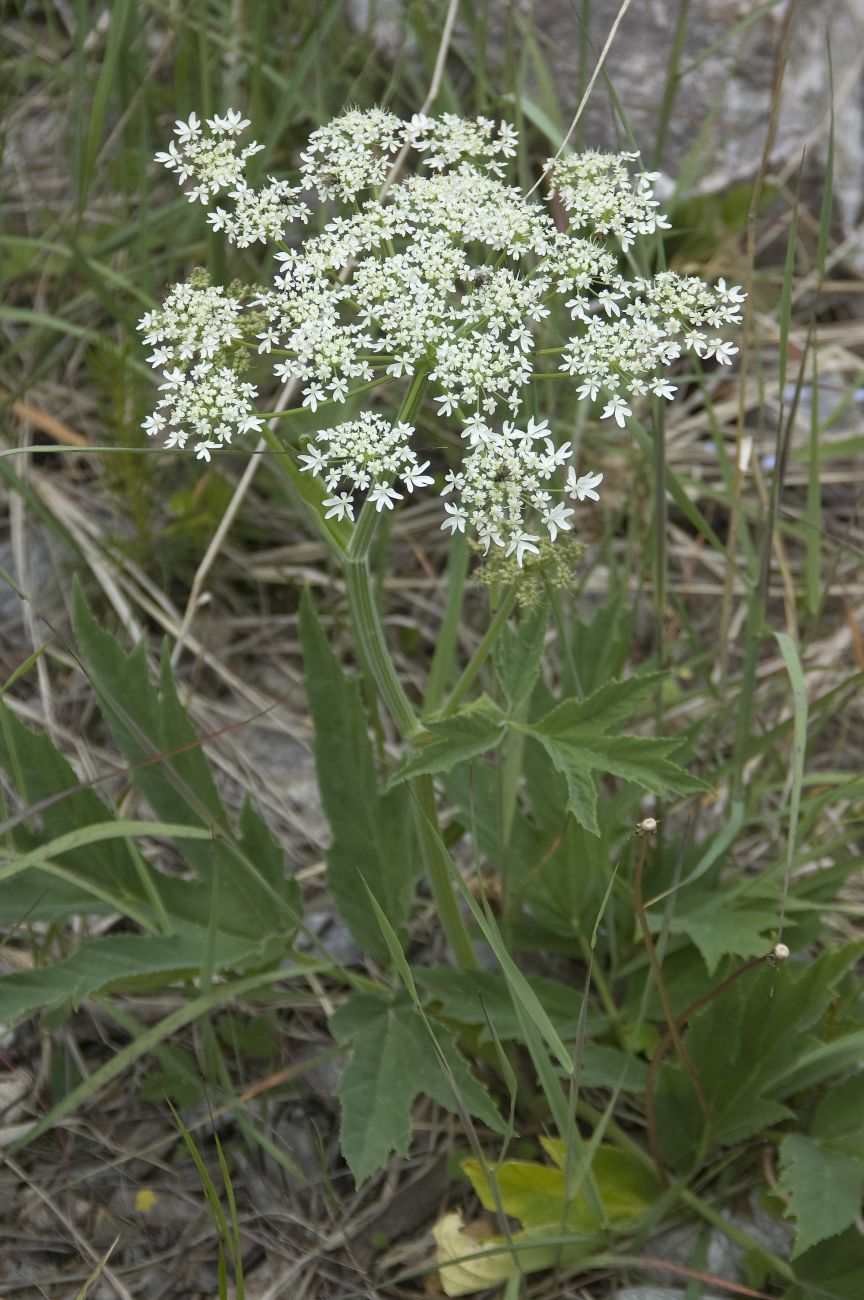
(45, 582)
(719, 119)
(658, 1293)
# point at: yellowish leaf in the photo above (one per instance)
(460, 1273)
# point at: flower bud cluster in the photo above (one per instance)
(448, 273)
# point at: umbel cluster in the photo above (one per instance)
(446, 275)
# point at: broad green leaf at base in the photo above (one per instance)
(392, 1062)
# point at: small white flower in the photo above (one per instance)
(583, 488)
(617, 409)
(189, 129)
(313, 396)
(414, 477)
(662, 388)
(487, 533)
(154, 424)
(722, 349)
(456, 518)
(313, 461)
(383, 495)
(341, 505)
(556, 518)
(233, 123)
(731, 294)
(522, 543)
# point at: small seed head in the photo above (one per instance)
(647, 827)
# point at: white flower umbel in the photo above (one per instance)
(599, 194)
(352, 153)
(192, 332)
(259, 215)
(446, 274)
(620, 354)
(370, 455)
(210, 401)
(502, 489)
(196, 320)
(449, 140)
(210, 159)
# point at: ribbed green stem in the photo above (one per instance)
(438, 867)
(477, 660)
(372, 647)
(378, 661)
(448, 633)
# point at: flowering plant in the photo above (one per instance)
(445, 277)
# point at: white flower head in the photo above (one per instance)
(583, 488)
(212, 161)
(443, 274)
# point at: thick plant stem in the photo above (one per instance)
(477, 660)
(378, 661)
(438, 867)
(448, 634)
(377, 658)
(372, 647)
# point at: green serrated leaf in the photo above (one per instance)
(150, 729)
(579, 779)
(43, 777)
(519, 652)
(605, 710)
(718, 929)
(373, 834)
(448, 741)
(392, 1062)
(149, 960)
(752, 1049)
(643, 761)
(834, 1268)
(476, 997)
(841, 1113)
(259, 844)
(824, 1189)
(167, 763)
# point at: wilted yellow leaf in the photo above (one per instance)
(460, 1274)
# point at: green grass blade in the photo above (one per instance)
(792, 659)
(152, 1037)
